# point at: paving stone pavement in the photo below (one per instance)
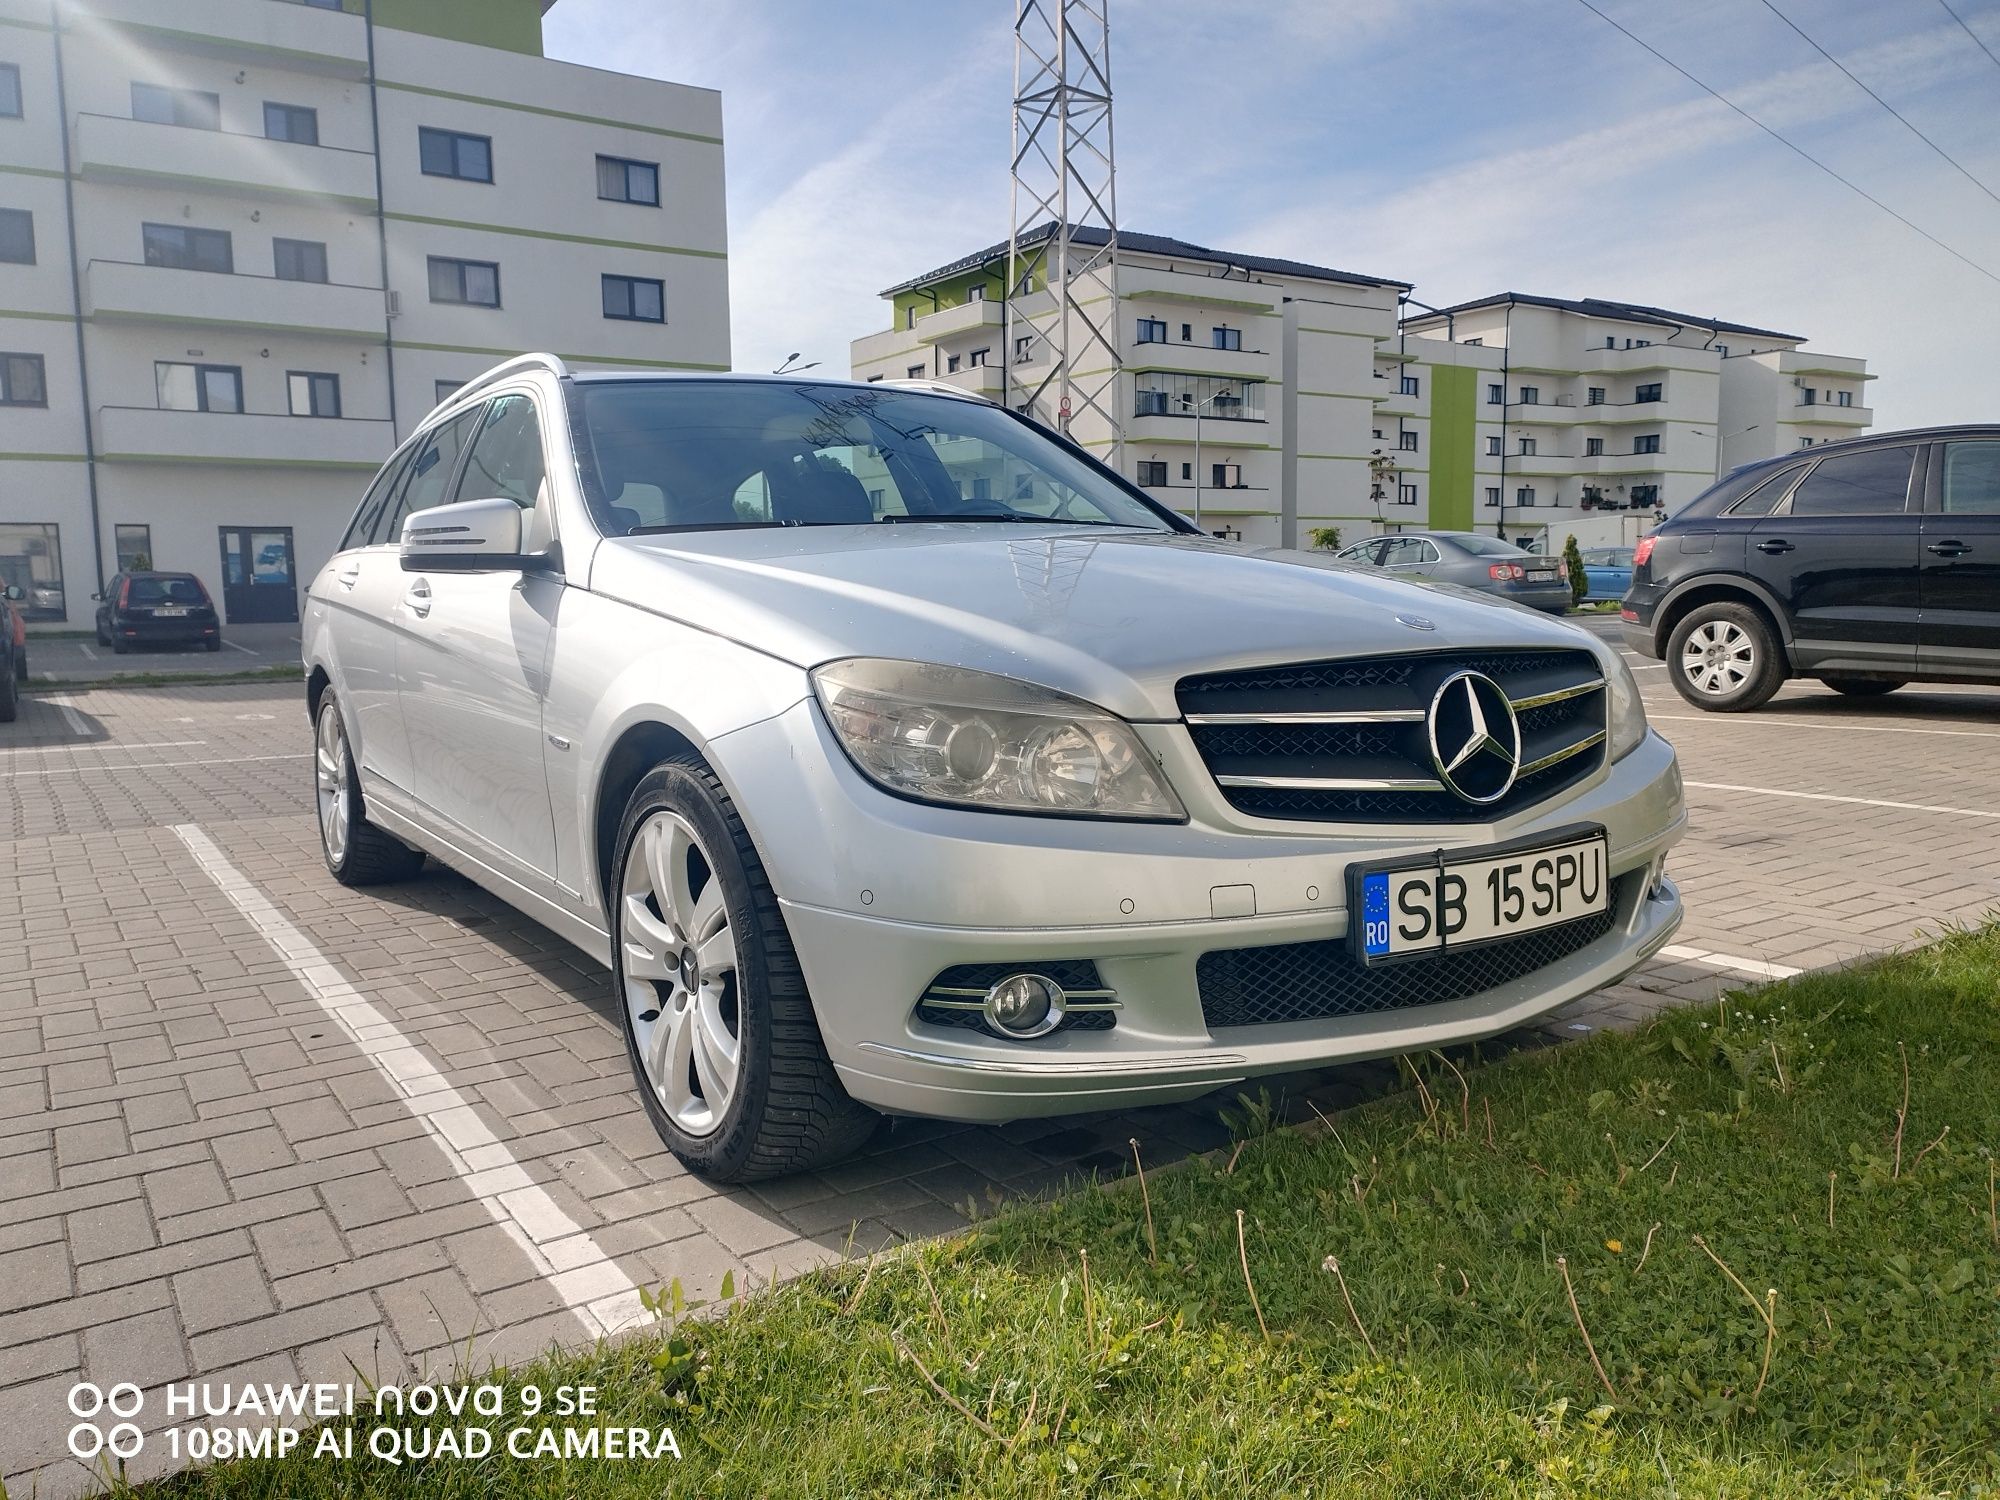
(202, 1176)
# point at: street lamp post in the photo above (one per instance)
(1198, 405)
(788, 368)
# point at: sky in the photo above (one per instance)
(1468, 146)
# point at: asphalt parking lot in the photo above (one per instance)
(254, 1126)
(245, 648)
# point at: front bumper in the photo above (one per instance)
(880, 896)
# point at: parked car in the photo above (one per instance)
(1609, 570)
(1868, 564)
(878, 794)
(13, 652)
(156, 609)
(1490, 564)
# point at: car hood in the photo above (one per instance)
(1113, 617)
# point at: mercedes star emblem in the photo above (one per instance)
(1415, 622)
(1475, 738)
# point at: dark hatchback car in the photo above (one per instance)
(1867, 564)
(156, 609)
(13, 653)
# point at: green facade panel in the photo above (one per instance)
(1452, 437)
(515, 25)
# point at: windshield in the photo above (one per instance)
(181, 590)
(1487, 546)
(695, 454)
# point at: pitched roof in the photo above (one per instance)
(1150, 244)
(1598, 307)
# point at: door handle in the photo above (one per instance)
(1948, 549)
(1774, 546)
(419, 598)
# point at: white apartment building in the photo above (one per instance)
(1592, 417)
(1272, 360)
(246, 245)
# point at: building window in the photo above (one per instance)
(1645, 494)
(1611, 341)
(1596, 397)
(1152, 474)
(1225, 338)
(1721, 351)
(1593, 447)
(1024, 348)
(1527, 447)
(1226, 476)
(1646, 442)
(186, 249)
(453, 153)
(1805, 442)
(1492, 494)
(164, 106)
(1407, 386)
(635, 299)
(1642, 343)
(1531, 395)
(443, 390)
(620, 180)
(1187, 471)
(951, 364)
(1525, 495)
(17, 236)
(10, 92)
(135, 547)
(1149, 403)
(1152, 331)
(914, 372)
(1492, 447)
(1495, 395)
(198, 387)
(474, 282)
(23, 381)
(1843, 398)
(313, 394)
(1406, 494)
(1378, 434)
(299, 260)
(291, 122)
(910, 316)
(1646, 393)
(979, 357)
(976, 292)
(1808, 397)
(1406, 441)
(1475, 343)
(31, 557)
(1187, 333)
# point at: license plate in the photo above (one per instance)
(1541, 577)
(163, 613)
(1458, 899)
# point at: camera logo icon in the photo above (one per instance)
(89, 1438)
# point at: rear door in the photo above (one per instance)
(1840, 553)
(1960, 581)
(1409, 556)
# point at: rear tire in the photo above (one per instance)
(1725, 658)
(1863, 687)
(119, 645)
(214, 643)
(719, 1028)
(10, 697)
(356, 851)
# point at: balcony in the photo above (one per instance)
(145, 434)
(116, 290)
(111, 148)
(1198, 358)
(302, 38)
(1196, 289)
(1652, 357)
(965, 318)
(1832, 414)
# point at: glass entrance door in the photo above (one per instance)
(259, 579)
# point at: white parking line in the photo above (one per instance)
(75, 749)
(86, 650)
(1771, 791)
(587, 1280)
(244, 649)
(1754, 966)
(150, 765)
(70, 717)
(1758, 720)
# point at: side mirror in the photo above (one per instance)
(15, 591)
(467, 536)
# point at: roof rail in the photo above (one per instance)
(548, 363)
(937, 388)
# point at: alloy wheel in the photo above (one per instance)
(330, 775)
(677, 973)
(1718, 657)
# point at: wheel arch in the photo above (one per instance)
(639, 747)
(318, 680)
(1731, 589)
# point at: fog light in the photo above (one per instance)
(1025, 1005)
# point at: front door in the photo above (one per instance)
(1961, 562)
(259, 578)
(1841, 554)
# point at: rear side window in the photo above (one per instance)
(1764, 499)
(428, 474)
(1873, 483)
(1971, 479)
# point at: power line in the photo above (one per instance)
(1791, 145)
(1956, 164)
(1969, 31)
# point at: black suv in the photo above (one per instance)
(1866, 563)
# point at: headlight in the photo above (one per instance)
(971, 739)
(1627, 723)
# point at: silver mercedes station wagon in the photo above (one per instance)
(898, 757)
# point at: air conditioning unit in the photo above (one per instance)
(395, 299)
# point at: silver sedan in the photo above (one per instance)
(1488, 564)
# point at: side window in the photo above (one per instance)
(506, 459)
(432, 460)
(1427, 552)
(1762, 500)
(1971, 479)
(1856, 484)
(361, 531)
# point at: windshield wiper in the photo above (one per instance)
(999, 515)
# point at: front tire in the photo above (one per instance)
(718, 1025)
(1864, 687)
(1725, 658)
(356, 851)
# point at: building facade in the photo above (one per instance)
(246, 245)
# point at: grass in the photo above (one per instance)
(1725, 1256)
(283, 672)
